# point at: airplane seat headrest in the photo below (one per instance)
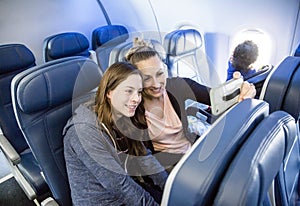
(180, 42)
(282, 87)
(184, 53)
(14, 57)
(119, 52)
(58, 86)
(104, 39)
(106, 34)
(65, 45)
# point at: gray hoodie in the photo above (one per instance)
(97, 175)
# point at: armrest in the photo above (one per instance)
(49, 202)
(9, 150)
(93, 56)
(192, 108)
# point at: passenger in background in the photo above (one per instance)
(244, 55)
(164, 100)
(103, 145)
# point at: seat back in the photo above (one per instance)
(119, 52)
(198, 174)
(14, 58)
(258, 161)
(185, 57)
(104, 39)
(44, 98)
(65, 45)
(282, 91)
(282, 88)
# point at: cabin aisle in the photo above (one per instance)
(4, 169)
(10, 192)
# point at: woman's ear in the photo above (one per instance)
(108, 95)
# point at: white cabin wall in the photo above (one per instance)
(29, 22)
(220, 20)
(136, 15)
(276, 17)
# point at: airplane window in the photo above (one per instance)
(263, 41)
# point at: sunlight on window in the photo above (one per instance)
(262, 40)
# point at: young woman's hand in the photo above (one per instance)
(247, 90)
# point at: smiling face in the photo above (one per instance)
(154, 76)
(126, 96)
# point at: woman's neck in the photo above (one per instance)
(155, 106)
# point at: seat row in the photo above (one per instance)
(181, 50)
(68, 44)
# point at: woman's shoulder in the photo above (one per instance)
(83, 116)
(84, 112)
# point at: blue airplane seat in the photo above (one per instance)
(282, 91)
(66, 44)
(44, 98)
(15, 58)
(104, 39)
(250, 175)
(282, 88)
(196, 177)
(186, 58)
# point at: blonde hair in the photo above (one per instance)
(141, 50)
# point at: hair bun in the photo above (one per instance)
(138, 45)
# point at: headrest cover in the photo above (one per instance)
(14, 57)
(180, 42)
(107, 33)
(53, 85)
(67, 44)
(281, 89)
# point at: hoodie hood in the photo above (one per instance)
(82, 115)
